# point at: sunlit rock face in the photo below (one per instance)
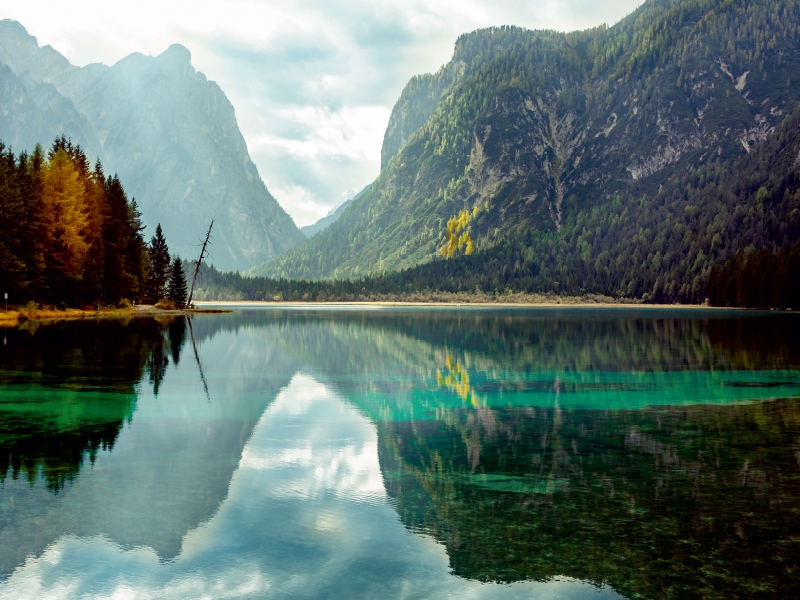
(169, 133)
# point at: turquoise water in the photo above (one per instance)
(403, 452)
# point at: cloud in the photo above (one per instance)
(313, 81)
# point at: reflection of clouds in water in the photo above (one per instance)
(325, 457)
(306, 515)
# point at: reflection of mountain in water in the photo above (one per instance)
(657, 501)
(168, 466)
(390, 362)
(483, 441)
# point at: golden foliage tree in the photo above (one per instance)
(66, 215)
(456, 237)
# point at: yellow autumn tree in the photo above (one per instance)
(65, 215)
(455, 235)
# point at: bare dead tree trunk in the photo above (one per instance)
(199, 262)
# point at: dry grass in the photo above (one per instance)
(33, 312)
(45, 313)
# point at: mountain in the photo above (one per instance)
(572, 147)
(315, 228)
(170, 134)
(312, 230)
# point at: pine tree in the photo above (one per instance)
(119, 275)
(158, 253)
(12, 224)
(30, 174)
(176, 290)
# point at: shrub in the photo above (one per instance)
(166, 304)
(125, 303)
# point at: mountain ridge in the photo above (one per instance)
(169, 132)
(544, 127)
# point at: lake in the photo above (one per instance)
(376, 452)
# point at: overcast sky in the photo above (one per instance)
(313, 81)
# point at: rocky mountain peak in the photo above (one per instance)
(21, 52)
(168, 132)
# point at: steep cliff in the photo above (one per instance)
(534, 130)
(169, 133)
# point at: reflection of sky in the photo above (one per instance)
(306, 515)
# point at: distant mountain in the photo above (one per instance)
(573, 145)
(169, 133)
(315, 228)
(312, 230)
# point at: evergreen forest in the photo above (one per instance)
(71, 235)
(625, 161)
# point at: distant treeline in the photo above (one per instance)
(653, 242)
(749, 279)
(69, 233)
(758, 280)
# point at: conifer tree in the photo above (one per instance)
(29, 175)
(177, 290)
(65, 223)
(158, 254)
(12, 225)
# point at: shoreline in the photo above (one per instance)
(254, 303)
(16, 317)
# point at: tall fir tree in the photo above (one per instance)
(158, 254)
(12, 225)
(29, 174)
(177, 290)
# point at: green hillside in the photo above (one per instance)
(554, 142)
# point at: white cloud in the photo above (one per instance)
(313, 81)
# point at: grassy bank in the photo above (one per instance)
(29, 313)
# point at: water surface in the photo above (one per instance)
(404, 452)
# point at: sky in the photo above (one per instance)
(313, 82)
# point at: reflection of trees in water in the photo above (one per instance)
(169, 343)
(696, 501)
(67, 389)
(568, 341)
(456, 378)
(673, 502)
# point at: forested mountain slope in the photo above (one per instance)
(170, 134)
(557, 143)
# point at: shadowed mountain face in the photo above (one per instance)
(577, 144)
(169, 133)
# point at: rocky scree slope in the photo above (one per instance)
(169, 133)
(537, 129)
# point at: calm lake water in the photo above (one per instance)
(303, 452)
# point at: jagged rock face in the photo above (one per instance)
(169, 133)
(532, 127)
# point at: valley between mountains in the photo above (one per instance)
(653, 160)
